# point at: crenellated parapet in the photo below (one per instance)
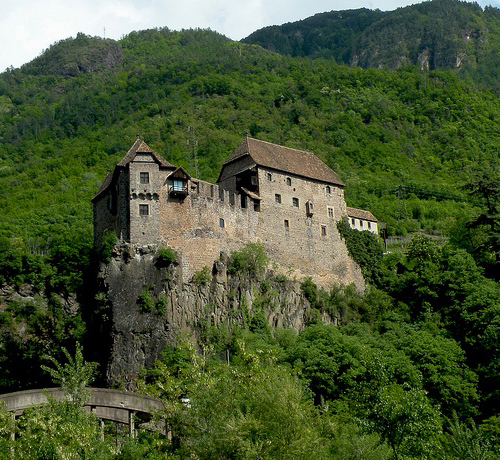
(287, 199)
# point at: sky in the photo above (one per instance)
(27, 27)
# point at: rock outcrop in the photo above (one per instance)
(148, 306)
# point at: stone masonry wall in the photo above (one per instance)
(299, 231)
(305, 240)
(194, 228)
(145, 227)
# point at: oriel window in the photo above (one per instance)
(144, 177)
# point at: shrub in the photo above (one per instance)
(310, 290)
(250, 260)
(203, 276)
(364, 248)
(106, 247)
(281, 278)
(165, 257)
(145, 301)
(161, 305)
(313, 316)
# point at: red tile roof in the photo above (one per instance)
(285, 159)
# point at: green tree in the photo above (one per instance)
(59, 430)
(73, 376)
(484, 188)
(406, 419)
(257, 412)
(250, 260)
(468, 442)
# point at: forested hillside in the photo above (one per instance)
(379, 130)
(412, 369)
(434, 35)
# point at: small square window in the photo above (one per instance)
(277, 198)
(221, 223)
(330, 212)
(328, 189)
(144, 177)
(269, 177)
(295, 202)
(143, 210)
(288, 181)
(323, 230)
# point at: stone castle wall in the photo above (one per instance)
(207, 222)
(299, 229)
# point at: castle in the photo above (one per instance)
(287, 199)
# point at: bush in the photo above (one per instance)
(161, 305)
(105, 250)
(145, 302)
(310, 290)
(250, 260)
(203, 276)
(364, 248)
(165, 257)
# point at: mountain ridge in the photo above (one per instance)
(435, 35)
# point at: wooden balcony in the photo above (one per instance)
(178, 191)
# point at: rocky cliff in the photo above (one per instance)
(144, 305)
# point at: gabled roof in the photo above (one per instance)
(285, 159)
(141, 147)
(179, 173)
(104, 185)
(361, 214)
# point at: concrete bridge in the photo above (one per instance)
(117, 406)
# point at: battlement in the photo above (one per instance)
(205, 190)
(286, 199)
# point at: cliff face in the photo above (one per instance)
(147, 306)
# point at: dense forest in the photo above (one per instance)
(412, 368)
(433, 35)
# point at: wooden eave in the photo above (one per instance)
(179, 173)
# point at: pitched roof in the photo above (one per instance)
(180, 172)
(141, 147)
(361, 214)
(285, 159)
(105, 184)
